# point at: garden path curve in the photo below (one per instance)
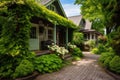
(86, 69)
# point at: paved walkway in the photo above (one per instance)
(86, 69)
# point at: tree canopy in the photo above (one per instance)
(101, 11)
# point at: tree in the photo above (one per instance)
(106, 11)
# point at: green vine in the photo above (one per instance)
(15, 25)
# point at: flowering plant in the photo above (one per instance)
(59, 50)
(71, 45)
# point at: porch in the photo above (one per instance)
(44, 33)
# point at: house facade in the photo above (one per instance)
(85, 27)
(43, 32)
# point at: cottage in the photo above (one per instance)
(54, 29)
(85, 27)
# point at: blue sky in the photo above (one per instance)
(69, 7)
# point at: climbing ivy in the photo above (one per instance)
(15, 25)
(16, 28)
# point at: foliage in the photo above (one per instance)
(105, 55)
(95, 51)
(75, 51)
(107, 61)
(101, 48)
(48, 63)
(98, 25)
(15, 16)
(115, 64)
(25, 68)
(98, 11)
(114, 39)
(90, 43)
(102, 39)
(58, 50)
(71, 46)
(77, 38)
(8, 64)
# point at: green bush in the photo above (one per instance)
(48, 63)
(105, 55)
(115, 64)
(77, 38)
(77, 52)
(107, 61)
(90, 43)
(101, 48)
(114, 39)
(25, 68)
(95, 51)
(8, 64)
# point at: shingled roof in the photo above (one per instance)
(77, 19)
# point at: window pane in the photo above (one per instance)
(33, 32)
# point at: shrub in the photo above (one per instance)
(105, 55)
(77, 38)
(9, 64)
(25, 68)
(48, 63)
(90, 43)
(115, 64)
(102, 39)
(77, 52)
(58, 50)
(107, 61)
(95, 51)
(114, 39)
(101, 48)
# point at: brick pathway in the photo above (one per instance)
(86, 69)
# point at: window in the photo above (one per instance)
(82, 23)
(92, 36)
(51, 7)
(50, 34)
(33, 33)
(85, 36)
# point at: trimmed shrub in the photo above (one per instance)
(115, 64)
(25, 68)
(48, 63)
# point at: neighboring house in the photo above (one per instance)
(85, 28)
(43, 32)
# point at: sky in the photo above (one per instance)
(69, 7)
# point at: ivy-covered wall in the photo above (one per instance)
(15, 28)
(16, 23)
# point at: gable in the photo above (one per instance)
(79, 21)
(50, 4)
